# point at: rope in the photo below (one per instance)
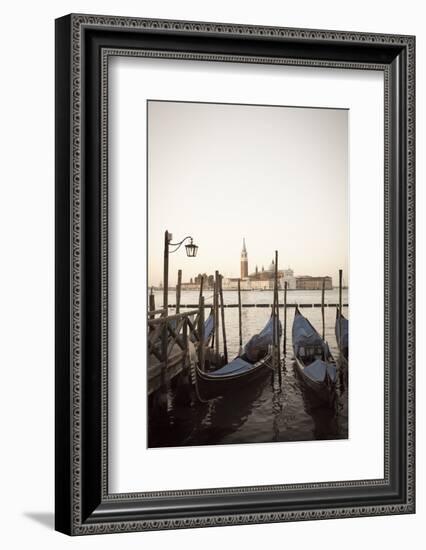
(192, 357)
(194, 374)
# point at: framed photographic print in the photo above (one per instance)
(234, 274)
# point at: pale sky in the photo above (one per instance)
(277, 176)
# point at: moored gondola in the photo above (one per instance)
(314, 361)
(255, 360)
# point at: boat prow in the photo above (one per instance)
(314, 362)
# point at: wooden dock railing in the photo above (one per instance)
(168, 341)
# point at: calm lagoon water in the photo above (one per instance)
(265, 411)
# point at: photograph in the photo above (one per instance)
(248, 273)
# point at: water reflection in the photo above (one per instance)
(210, 422)
(324, 418)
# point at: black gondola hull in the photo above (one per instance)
(212, 386)
(324, 392)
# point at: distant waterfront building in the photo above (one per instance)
(261, 284)
(244, 262)
(231, 283)
(265, 275)
(289, 278)
(190, 286)
(260, 279)
(313, 283)
(194, 283)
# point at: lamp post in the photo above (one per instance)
(191, 252)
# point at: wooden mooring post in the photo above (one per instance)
(277, 318)
(322, 308)
(178, 290)
(201, 350)
(185, 347)
(240, 328)
(162, 397)
(285, 321)
(166, 272)
(274, 333)
(216, 314)
(222, 315)
(152, 303)
(201, 289)
(340, 309)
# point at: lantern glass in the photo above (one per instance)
(191, 250)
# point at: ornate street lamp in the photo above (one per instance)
(191, 249)
(191, 252)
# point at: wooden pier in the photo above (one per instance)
(168, 345)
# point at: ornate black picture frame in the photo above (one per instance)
(83, 45)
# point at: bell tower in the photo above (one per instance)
(244, 261)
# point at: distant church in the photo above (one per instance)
(244, 262)
(264, 279)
